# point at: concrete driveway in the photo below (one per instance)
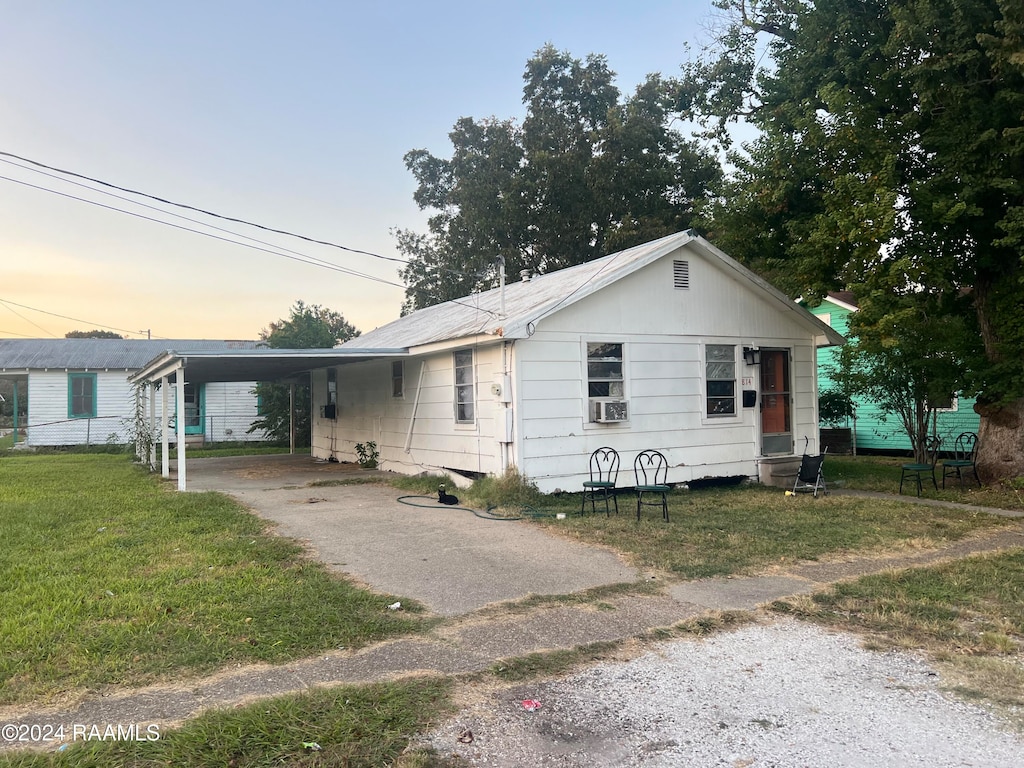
(448, 559)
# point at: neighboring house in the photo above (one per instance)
(78, 390)
(652, 347)
(873, 430)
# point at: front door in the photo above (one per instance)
(194, 409)
(776, 403)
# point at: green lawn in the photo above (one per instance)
(115, 581)
(111, 580)
(723, 531)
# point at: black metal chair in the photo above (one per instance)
(917, 471)
(965, 457)
(604, 473)
(651, 470)
(811, 476)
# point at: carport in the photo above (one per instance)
(284, 366)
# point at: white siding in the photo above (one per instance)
(230, 409)
(368, 412)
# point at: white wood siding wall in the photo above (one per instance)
(664, 331)
(368, 412)
(230, 409)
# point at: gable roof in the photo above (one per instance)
(116, 354)
(528, 302)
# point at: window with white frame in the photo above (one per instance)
(398, 378)
(605, 370)
(720, 379)
(465, 387)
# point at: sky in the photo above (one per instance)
(291, 115)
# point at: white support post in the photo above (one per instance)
(291, 418)
(179, 387)
(165, 445)
(151, 389)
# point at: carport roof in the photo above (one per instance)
(252, 365)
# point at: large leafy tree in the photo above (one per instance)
(309, 326)
(890, 160)
(585, 172)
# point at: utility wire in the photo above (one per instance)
(37, 325)
(201, 210)
(6, 303)
(274, 250)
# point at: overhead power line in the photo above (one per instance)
(202, 210)
(271, 249)
(9, 304)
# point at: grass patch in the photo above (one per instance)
(737, 530)
(882, 474)
(967, 615)
(535, 666)
(350, 726)
(112, 580)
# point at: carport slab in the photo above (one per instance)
(448, 559)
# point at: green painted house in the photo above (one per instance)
(873, 431)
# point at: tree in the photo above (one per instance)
(94, 334)
(890, 161)
(585, 173)
(308, 327)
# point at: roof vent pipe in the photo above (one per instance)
(525, 274)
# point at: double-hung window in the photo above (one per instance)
(81, 395)
(604, 370)
(465, 387)
(720, 378)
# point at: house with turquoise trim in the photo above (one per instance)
(78, 391)
(872, 430)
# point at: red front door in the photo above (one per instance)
(776, 404)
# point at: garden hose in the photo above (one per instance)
(527, 512)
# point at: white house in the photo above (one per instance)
(79, 394)
(670, 345)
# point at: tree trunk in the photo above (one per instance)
(1001, 441)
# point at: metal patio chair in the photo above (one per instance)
(811, 476)
(651, 470)
(604, 473)
(965, 458)
(917, 471)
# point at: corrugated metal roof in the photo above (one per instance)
(123, 354)
(528, 302)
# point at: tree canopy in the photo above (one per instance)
(585, 173)
(94, 334)
(308, 327)
(890, 161)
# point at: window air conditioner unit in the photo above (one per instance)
(611, 410)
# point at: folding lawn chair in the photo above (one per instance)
(810, 477)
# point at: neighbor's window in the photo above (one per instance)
(604, 370)
(465, 387)
(720, 375)
(81, 395)
(398, 378)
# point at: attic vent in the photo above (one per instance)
(681, 274)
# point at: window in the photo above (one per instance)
(720, 375)
(465, 387)
(398, 378)
(332, 386)
(604, 370)
(81, 395)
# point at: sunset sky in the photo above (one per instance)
(292, 115)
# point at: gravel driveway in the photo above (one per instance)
(779, 695)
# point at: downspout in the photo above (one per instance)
(415, 406)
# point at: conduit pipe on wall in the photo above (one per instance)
(415, 406)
